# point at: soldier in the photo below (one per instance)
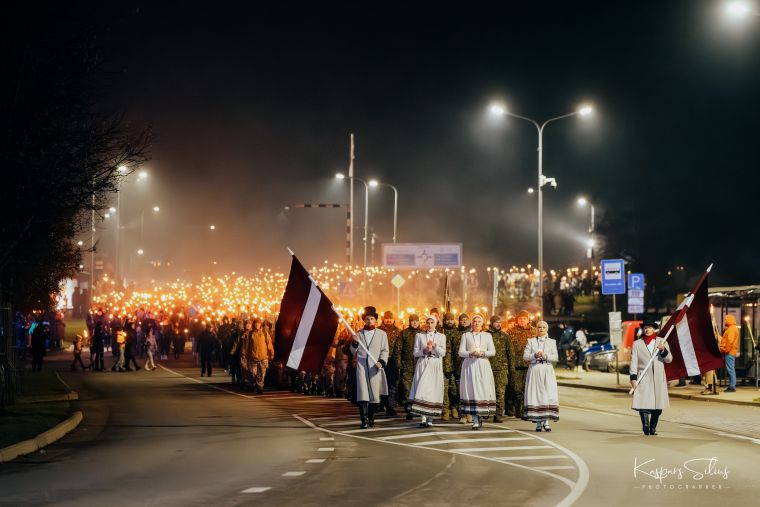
(450, 382)
(500, 364)
(519, 334)
(456, 365)
(390, 401)
(403, 353)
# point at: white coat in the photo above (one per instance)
(370, 380)
(652, 391)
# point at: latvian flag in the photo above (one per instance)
(692, 342)
(306, 325)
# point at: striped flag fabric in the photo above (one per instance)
(692, 342)
(306, 325)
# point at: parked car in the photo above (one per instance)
(604, 360)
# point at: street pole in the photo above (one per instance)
(351, 205)
(117, 259)
(541, 216)
(92, 253)
(395, 211)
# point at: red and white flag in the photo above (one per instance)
(692, 342)
(306, 325)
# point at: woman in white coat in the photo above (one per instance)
(541, 397)
(426, 394)
(651, 394)
(477, 391)
(371, 357)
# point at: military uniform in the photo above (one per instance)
(500, 364)
(518, 336)
(452, 365)
(392, 369)
(403, 353)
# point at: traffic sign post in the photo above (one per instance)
(636, 293)
(613, 279)
(398, 281)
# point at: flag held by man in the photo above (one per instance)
(306, 325)
(692, 342)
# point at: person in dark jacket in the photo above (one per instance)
(129, 347)
(98, 347)
(39, 336)
(207, 343)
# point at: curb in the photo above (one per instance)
(43, 439)
(670, 394)
(70, 396)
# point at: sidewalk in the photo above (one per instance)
(42, 413)
(603, 381)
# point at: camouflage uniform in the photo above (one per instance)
(519, 337)
(392, 368)
(502, 366)
(452, 365)
(403, 354)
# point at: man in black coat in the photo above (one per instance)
(207, 343)
(39, 336)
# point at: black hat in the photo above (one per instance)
(649, 320)
(370, 310)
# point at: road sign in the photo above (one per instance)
(635, 301)
(398, 281)
(616, 328)
(635, 293)
(613, 276)
(346, 289)
(636, 281)
(635, 309)
(422, 255)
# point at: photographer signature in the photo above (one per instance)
(695, 469)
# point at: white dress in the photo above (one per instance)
(541, 398)
(426, 393)
(477, 392)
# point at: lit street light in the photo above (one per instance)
(212, 227)
(140, 251)
(375, 183)
(740, 10)
(500, 110)
(583, 202)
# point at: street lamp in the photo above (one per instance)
(500, 110)
(583, 202)
(740, 9)
(156, 209)
(212, 227)
(375, 183)
(341, 176)
(141, 175)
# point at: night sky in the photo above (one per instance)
(253, 106)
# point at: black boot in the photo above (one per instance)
(409, 415)
(653, 423)
(371, 414)
(363, 411)
(645, 424)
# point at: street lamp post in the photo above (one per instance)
(140, 177)
(583, 202)
(156, 209)
(351, 179)
(375, 183)
(499, 110)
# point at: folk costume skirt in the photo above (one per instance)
(541, 399)
(477, 392)
(426, 394)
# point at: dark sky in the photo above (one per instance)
(253, 106)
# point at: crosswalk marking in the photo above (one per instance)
(430, 433)
(470, 440)
(524, 458)
(255, 490)
(396, 427)
(355, 421)
(514, 448)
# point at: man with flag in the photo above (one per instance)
(370, 346)
(691, 350)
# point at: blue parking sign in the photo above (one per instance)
(613, 276)
(636, 281)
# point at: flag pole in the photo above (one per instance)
(678, 319)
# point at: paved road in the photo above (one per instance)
(168, 437)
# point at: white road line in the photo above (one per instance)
(740, 437)
(469, 440)
(558, 467)
(257, 489)
(530, 458)
(513, 448)
(355, 421)
(390, 428)
(574, 492)
(293, 474)
(430, 433)
(593, 411)
(315, 461)
(212, 386)
(326, 439)
(326, 449)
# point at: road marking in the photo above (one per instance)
(469, 440)
(315, 461)
(558, 467)
(389, 428)
(575, 491)
(349, 423)
(740, 437)
(293, 474)
(430, 433)
(525, 458)
(212, 386)
(425, 483)
(257, 489)
(593, 411)
(326, 439)
(326, 449)
(513, 448)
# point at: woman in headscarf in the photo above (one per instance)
(541, 398)
(477, 392)
(426, 394)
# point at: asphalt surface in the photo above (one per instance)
(169, 437)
